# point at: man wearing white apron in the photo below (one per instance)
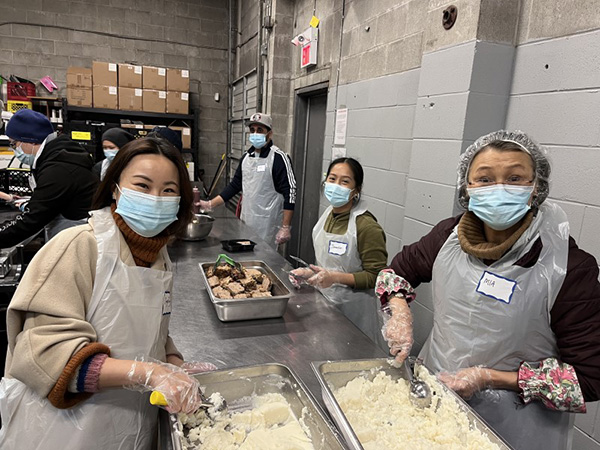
(266, 179)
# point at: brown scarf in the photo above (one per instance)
(471, 236)
(144, 250)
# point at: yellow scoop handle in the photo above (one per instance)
(157, 399)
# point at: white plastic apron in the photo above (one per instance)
(60, 223)
(339, 252)
(262, 207)
(498, 329)
(104, 168)
(130, 310)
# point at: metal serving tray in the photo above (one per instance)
(236, 385)
(333, 375)
(250, 308)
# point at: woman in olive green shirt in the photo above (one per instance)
(349, 248)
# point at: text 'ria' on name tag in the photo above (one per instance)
(496, 287)
(337, 248)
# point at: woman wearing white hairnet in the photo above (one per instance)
(516, 303)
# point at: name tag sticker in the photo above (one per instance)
(261, 168)
(496, 287)
(166, 309)
(337, 248)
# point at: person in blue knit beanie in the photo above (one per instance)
(61, 179)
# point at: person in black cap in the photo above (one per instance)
(169, 135)
(62, 180)
(112, 140)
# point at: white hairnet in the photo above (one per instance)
(502, 140)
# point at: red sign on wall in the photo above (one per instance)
(306, 55)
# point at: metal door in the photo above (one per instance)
(309, 136)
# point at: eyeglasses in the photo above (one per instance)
(514, 180)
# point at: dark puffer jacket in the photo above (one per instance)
(575, 315)
(65, 185)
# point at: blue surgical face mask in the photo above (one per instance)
(337, 195)
(500, 206)
(258, 140)
(147, 215)
(110, 154)
(25, 158)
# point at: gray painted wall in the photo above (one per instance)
(39, 48)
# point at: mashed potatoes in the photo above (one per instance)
(382, 417)
(269, 424)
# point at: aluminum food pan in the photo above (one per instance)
(250, 308)
(333, 375)
(235, 385)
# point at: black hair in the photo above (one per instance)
(355, 167)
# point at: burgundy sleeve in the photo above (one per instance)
(414, 263)
(575, 320)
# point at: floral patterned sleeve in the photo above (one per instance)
(554, 383)
(388, 283)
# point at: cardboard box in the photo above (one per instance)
(186, 135)
(154, 101)
(178, 80)
(79, 77)
(106, 97)
(130, 99)
(154, 78)
(138, 130)
(104, 74)
(130, 76)
(79, 96)
(178, 102)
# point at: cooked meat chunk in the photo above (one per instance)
(242, 295)
(210, 271)
(248, 283)
(235, 288)
(225, 281)
(213, 281)
(223, 270)
(256, 274)
(261, 294)
(221, 292)
(265, 286)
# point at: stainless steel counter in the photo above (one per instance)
(310, 330)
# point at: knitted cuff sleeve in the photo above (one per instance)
(388, 283)
(59, 396)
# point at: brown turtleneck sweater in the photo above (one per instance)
(144, 250)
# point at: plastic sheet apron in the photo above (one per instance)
(339, 252)
(104, 168)
(130, 310)
(60, 223)
(478, 321)
(262, 208)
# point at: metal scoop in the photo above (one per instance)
(419, 395)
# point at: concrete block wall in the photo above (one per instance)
(555, 98)
(181, 34)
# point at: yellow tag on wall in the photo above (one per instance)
(314, 22)
(81, 135)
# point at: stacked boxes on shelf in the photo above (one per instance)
(130, 87)
(79, 86)
(104, 77)
(155, 84)
(178, 88)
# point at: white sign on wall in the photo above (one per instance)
(338, 152)
(341, 122)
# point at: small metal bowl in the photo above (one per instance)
(199, 228)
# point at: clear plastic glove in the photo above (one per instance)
(284, 234)
(467, 382)
(398, 328)
(322, 278)
(299, 276)
(193, 367)
(181, 391)
(205, 205)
